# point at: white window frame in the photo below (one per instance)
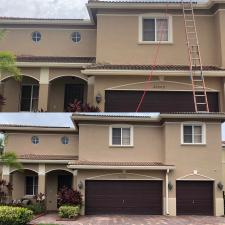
(156, 16)
(76, 37)
(203, 125)
(33, 185)
(121, 126)
(35, 36)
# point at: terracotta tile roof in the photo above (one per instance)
(93, 163)
(56, 59)
(47, 157)
(150, 67)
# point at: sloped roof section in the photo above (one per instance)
(47, 157)
(35, 119)
(151, 67)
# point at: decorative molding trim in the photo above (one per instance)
(195, 174)
(41, 169)
(145, 177)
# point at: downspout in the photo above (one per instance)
(167, 192)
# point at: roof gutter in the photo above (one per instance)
(53, 64)
(53, 161)
(94, 167)
(22, 128)
(166, 73)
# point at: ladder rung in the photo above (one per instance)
(199, 95)
(195, 58)
(201, 103)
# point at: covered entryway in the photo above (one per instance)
(194, 197)
(155, 101)
(123, 197)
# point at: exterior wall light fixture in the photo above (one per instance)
(170, 186)
(98, 98)
(220, 186)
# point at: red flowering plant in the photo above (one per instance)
(77, 106)
(68, 196)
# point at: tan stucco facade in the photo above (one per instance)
(112, 37)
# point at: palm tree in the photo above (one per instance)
(8, 66)
(8, 158)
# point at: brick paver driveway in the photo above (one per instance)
(134, 220)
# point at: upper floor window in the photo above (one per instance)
(36, 36)
(35, 140)
(155, 29)
(76, 37)
(65, 140)
(121, 136)
(193, 134)
(29, 97)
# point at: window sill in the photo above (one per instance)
(155, 43)
(121, 146)
(190, 144)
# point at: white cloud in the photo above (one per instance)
(44, 8)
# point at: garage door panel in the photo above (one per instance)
(123, 197)
(155, 101)
(194, 198)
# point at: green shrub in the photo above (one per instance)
(15, 215)
(69, 211)
(37, 208)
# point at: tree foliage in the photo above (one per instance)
(8, 65)
(10, 159)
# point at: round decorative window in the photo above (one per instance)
(65, 140)
(36, 36)
(35, 140)
(76, 37)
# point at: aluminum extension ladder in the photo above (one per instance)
(196, 69)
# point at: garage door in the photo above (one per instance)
(123, 197)
(155, 101)
(194, 198)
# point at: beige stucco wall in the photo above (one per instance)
(94, 144)
(50, 144)
(158, 83)
(117, 41)
(54, 42)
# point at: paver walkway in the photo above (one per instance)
(133, 220)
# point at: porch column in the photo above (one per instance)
(41, 179)
(43, 89)
(167, 192)
(75, 180)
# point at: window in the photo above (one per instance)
(193, 134)
(155, 29)
(36, 36)
(35, 140)
(31, 185)
(29, 98)
(76, 37)
(121, 136)
(65, 140)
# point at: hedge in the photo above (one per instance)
(15, 215)
(69, 211)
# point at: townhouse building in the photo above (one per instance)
(166, 159)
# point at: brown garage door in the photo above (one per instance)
(155, 101)
(194, 198)
(123, 197)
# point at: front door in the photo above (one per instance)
(72, 92)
